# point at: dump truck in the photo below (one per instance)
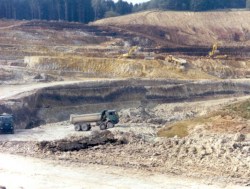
(105, 120)
(6, 123)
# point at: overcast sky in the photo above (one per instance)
(134, 1)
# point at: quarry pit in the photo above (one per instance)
(34, 107)
(176, 121)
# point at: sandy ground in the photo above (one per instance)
(18, 172)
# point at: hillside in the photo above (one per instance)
(229, 28)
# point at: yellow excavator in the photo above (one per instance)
(131, 53)
(214, 53)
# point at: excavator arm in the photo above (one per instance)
(215, 53)
(130, 52)
(214, 50)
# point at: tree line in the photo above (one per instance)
(191, 5)
(90, 10)
(69, 10)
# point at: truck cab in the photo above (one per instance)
(6, 123)
(110, 116)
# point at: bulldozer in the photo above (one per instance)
(131, 53)
(215, 53)
(177, 61)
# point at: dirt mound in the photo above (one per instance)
(76, 143)
(186, 28)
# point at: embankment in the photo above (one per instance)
(56, 103)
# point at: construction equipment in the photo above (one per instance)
(105, 119)
(131, 52)
(214, 53)
(177, 61)
(6, 123)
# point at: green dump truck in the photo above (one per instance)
(6, 123)
(105, 120)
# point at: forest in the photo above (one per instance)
(89, 10)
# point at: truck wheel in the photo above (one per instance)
(89, 127)
(110, 125)
(103, 126)
(85, 127)
(77, 127)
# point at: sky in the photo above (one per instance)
(134, 1)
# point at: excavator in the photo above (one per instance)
(214, 53)
(131, 52)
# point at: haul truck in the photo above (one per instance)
(105, 119)
(6, 123)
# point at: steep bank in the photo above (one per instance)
(113, 67)
(37, 106)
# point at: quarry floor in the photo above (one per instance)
(25, 172)
(94, 168)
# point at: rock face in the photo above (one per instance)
(36, 107)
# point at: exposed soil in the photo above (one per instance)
(134, 144)
(175, 118)
(39, 51)
(71, 175)
(187, 28)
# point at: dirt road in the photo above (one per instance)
(8, 91)
(13, 90)
(12, 26)
(23, 172)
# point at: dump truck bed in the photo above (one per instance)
(85, 118)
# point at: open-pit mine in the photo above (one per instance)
(180, 86)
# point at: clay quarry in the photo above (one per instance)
(184, 115)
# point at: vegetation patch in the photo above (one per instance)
(181, 128)
(241, 109)
(230, 119)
